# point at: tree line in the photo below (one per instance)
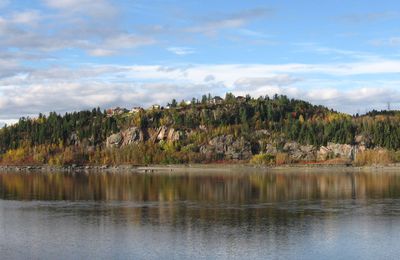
(285, 119)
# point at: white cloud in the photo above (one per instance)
(228, 74)
(67, 89)
(115, 44)
(324, 94)
(30, 17)
(278, 80)
(91, 26)
(100, 52)
(125, 41)
(181, 50)
(211, 26)
(16, 101)
(28, 90)
(98, 29)
(209, 78)
(253, 33)
(98, 8)
(261, 86)
(391, 42)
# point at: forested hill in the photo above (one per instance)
(205, 130)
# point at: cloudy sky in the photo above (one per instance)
(65, 55)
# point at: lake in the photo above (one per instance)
(200, 215)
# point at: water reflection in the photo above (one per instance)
(180, 199)
(199, 215)
(229, 188)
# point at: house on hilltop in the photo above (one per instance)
(116, 111)
(217, 100)
(240, 99)
(136, 110)
(155, 106)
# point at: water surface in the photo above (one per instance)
(210, 215)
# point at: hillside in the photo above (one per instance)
(265, 130)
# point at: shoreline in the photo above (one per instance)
(176, 168)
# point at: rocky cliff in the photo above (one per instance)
(135, 135)
(227, 147)
(131, 135)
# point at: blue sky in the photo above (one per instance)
(65, 55)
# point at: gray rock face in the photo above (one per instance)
(230, 148)
(323, 153)
(174, 135)
(270, 149)
(129, 136)
(132, 135)
(239, 150)
(164, 133)
(300, 152)
(73, 139)
(226, 147)
(309, 152)
(135, 135)
(341, 150)
(333, 150)
(114, 140)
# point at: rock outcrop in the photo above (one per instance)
(129, 136)
(333, 150)
(174, 135)
(114, 140)
(132, 135)
(73, 139)
(299, 152)
(270, 149)
(164, 133)
(226, 147)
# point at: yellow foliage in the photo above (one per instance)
(263, 158)
(301, 119)
(14, 156)
(370, 157)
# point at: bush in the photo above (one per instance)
(395, 156)
(190, 148)
(263, 158)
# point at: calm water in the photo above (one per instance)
(202, 215)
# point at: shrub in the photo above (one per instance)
(190, 148)
(395, 156)
(263, 158)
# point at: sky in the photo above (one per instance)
(68, 55)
